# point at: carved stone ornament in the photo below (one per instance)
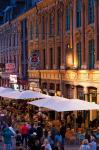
(60, 7)
(52, 12)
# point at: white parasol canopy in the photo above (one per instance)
(1, 88)
(10, 94)
(61, 104)
(28, 94)
(4, 90)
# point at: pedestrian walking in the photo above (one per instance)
(24, 132)
(7, 137)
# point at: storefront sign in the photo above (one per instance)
(13, 78)
(35, 59)
(10, 67)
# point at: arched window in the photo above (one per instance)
(90, 11)
(58, 23)
(91, 54)
(51, 27)
(79, 54)
(37, 34)
(43, 27)
(68, 17)
(78, 13)
(31, 30)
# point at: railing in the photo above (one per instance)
(67, 75)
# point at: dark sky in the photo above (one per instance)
(3, 4)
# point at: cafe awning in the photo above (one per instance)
(61, 104)
(27, 94)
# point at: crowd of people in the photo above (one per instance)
(32, 137)
(39, 136)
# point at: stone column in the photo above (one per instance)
(75, 92)
(86, 93)
(86, 99)
(55, 45)
(83, 31)
(86, 34)
(95, 35)
(62, 36)
(47, 49)
(74, 41)
(98, 95)
(91, 110)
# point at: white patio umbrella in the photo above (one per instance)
(28, 94)
(1, 88)
(61, 104)
(3, 91)
(10, 94)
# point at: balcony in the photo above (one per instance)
(74, 76)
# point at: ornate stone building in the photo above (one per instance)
(9, 47)
(66, 33)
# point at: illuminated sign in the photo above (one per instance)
(13, 78)
(10, 67)
(35, 59)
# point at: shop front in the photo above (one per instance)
(69, 91)
(44, 88)
(51, 90)
(34, 84)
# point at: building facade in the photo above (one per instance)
(66, 33)
(9, 50)
(58, 48)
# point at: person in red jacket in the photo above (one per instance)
(24, 132)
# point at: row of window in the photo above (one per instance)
(12, 59)
(68, 19)
(6, 42)
(91, 56)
